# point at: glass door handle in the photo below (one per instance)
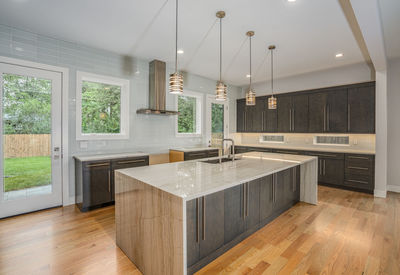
(56, 154)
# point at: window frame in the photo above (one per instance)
(124, 119)
(199, 114)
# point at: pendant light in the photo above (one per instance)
(272, 100)
(220, 91)
(250, 94)
(176, 79)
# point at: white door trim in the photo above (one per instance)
(66, 200)
(211, 99)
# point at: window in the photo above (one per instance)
(189, 107)
(102, 107)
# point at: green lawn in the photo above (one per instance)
(21, 173)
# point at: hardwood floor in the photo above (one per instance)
(347, 233)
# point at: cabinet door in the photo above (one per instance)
(293, 185)
(212, 234)
(270, 120)
(361, 110)
(284, 107)
(233, 212)
(195, 155)
(249, 115)
(258, 115)
(300, 114)
(193, 231)
(337, 111)
(317, 112)
(266, 197)
(240, 114)
(279, 189)
(331, 171)
(252, 212)
(97, 183)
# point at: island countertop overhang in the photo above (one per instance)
(193, 179)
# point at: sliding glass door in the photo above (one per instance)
(30, 163)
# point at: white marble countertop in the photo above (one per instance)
(193, 179)
(193, 149)
(337, 149)
(110, 156)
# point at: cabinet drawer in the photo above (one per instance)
(213, 153)
(130, 163)
(359, 181)
(283, 151)
(196, 155)
(96, 164)
(326, 155)
(241, 149)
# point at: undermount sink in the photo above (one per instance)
(216, 161)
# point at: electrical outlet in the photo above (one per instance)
(355, 141)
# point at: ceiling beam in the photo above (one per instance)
(367, 15)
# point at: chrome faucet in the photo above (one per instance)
(233, 148)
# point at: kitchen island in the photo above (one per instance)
(175, 218)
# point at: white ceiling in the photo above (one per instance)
(390, 14)
(308, 33)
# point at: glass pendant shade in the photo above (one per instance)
(176, 83)
(250, 98)
(220, 92)
(272, 103)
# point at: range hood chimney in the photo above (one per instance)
(157, 90)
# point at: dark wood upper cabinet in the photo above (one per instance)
(336, 111)
(284, 111)
(361, 109)
(342, 109)
(300, 113)
(240, 113)
(317, 112)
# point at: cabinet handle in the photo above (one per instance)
(198, 220)
(358, 168)
(324, 167)
(247, 199)
(262, 120)
(325, 118)
(348, 118)
(294, 180)
(320, 167)
(98, 164)
(243, 201)
(109, 181)
(290, 120)
(204, 219)
(354, 157)
(293, 120)
(274, 184)
(245, 121)
(328, 117)
(324, 155)
(359, 181)
(131, 161)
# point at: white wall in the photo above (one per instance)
(325, 78)
(147, 133)
(393, 99)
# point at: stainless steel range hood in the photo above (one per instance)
(157, 90)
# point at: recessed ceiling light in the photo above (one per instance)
(248, 76)
(291, 0)
(180, 51)
(339, 55)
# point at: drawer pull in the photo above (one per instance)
(131, 161)
(359, 181)
(98, 164)
(198, 220)
(196, 154)
(204, 219)
(324, 155)
(353, 157)
(358, 168)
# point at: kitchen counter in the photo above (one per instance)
(110, 156)
(317, 148)
(158, 208)
(193, 179)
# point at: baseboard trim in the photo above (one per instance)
(380, 193)
(393, 188)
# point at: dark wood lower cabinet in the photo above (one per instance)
(94, 180)
(217, 222)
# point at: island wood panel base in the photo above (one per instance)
(158, 159)
(309, 182)
(149, 226)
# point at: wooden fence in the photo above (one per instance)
(20, 146)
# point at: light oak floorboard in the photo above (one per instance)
(347, 233)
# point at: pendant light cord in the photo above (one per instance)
(176, 36)
(220, 50)
(250, 62)
(272, 72)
